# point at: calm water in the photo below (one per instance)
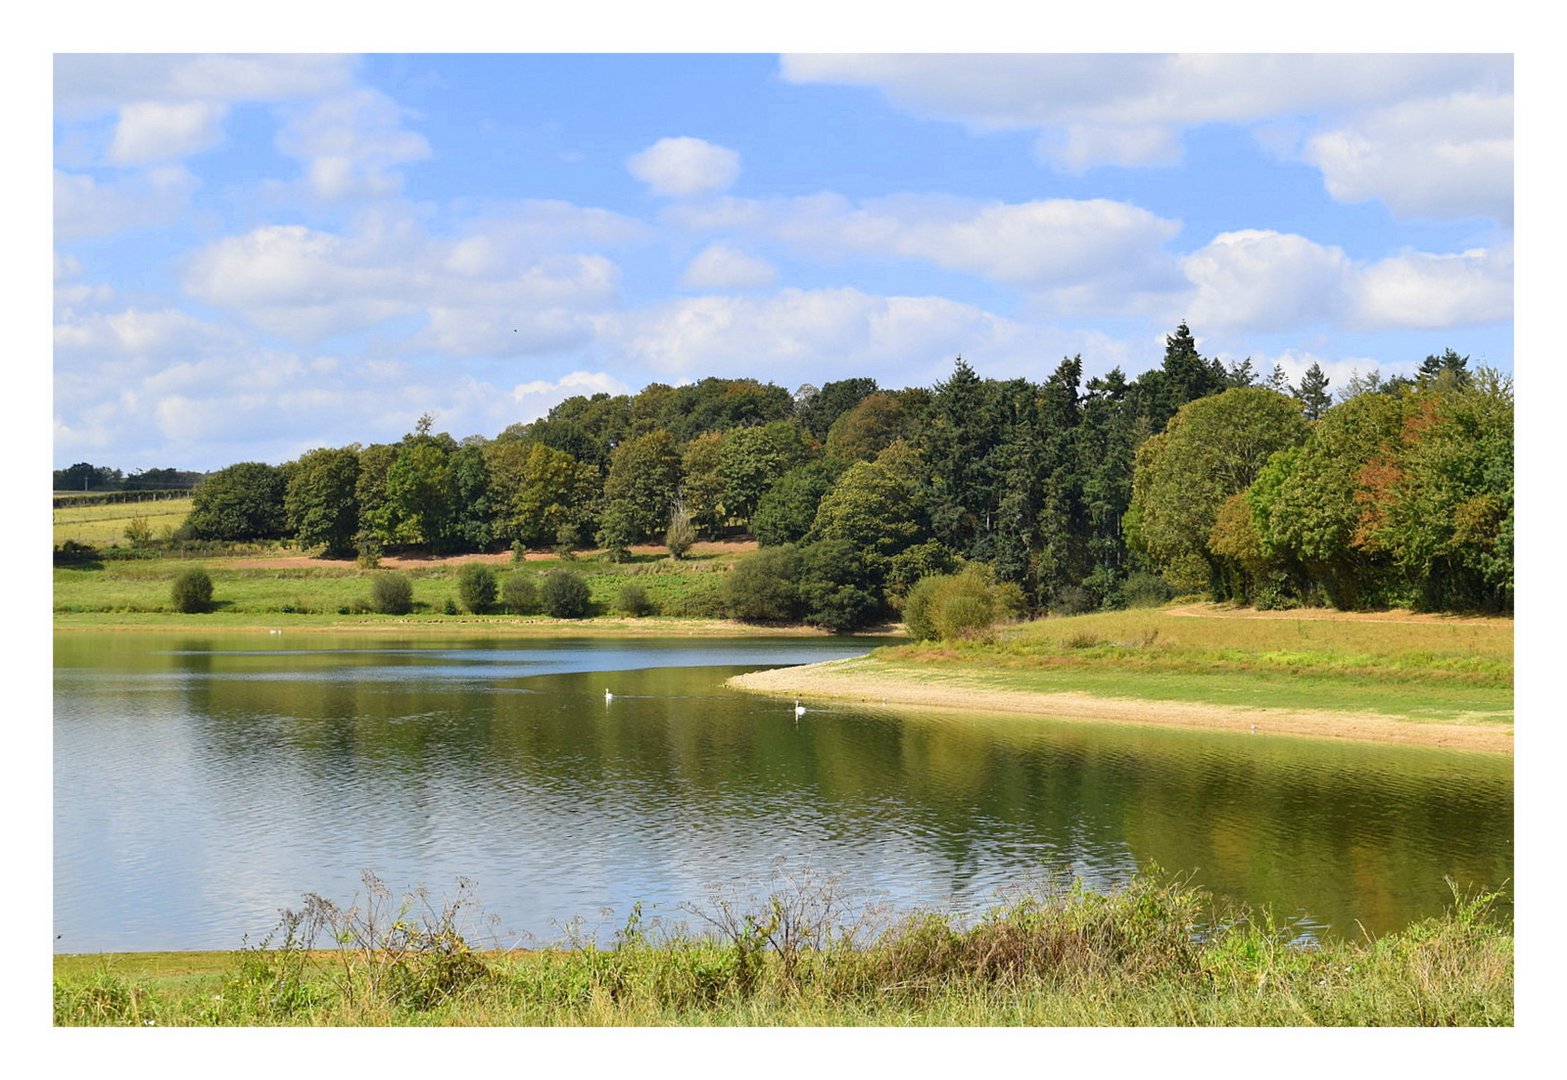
(202, 783)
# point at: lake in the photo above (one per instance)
(201, 783)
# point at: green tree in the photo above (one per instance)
(644, 479)
(871, 509)
(751, 460)
(320, 504)
(868, 428)
(240, 502)
(391, 593)
(1213, 448)
(702, 489)
(819, 411)
(839, 585)
(419, 494)
(785, 514)
(1313, 392)
(520, 593)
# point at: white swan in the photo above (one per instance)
(799, 710)
(608, 697)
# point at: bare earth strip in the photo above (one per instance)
(842, 680)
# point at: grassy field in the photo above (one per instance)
(1154, 953)
(116, 592)
(100, 526)
(1418, 668)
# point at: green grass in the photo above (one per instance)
(101, 526)
(1440, 670)
(1153, 953)
(137, 591)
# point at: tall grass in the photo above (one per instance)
(1155, 952)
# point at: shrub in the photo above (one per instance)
(1145, 590)
(192, 590)
(681, 533)
(564, 594)
(449, 607)
(138, 532)
(476, 587)
(633, 600)
(963, 607)
(916, 607)
(764, 587)
(368, 554)
(520, 593)
(519, 552)
(391, 594)
(566, 542)
(1070, 600)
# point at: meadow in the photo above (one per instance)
(101, 526)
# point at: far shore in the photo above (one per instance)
(442, 625)
(856, 680)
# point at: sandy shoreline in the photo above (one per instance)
(840, 680)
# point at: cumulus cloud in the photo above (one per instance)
(1267, 281)
(811, 333)
(351, 144)
(1448, 157)
(1258, 279)
(92, 84)
(1430, 134)
(684, 166)
(479, 294)
(84, 207)
(151, 131)
(1088, 244)
(1420, 290)
(719, 266)
(537, 397)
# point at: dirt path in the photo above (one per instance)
(839, 681)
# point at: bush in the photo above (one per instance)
(634, 601)
(476, 587)
(449, 606)
(520, 593)
(137, 532)
(192, 591)
(566, 539)
(916, 607)
(1070, 600)
(368, 553)
(764, 587)
(564, 594)
(1143, 590)
(680, 535)
(963, 607)
(391, 594)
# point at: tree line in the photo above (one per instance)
(1073, 495)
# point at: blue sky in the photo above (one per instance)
(256, 255)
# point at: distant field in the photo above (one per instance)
(100, 526)
(104, 593)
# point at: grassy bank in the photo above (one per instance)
(306, 592)
(101, 526)
(1153, 953)
(1427, 679)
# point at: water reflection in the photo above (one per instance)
(201, 784)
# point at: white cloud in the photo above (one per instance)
(1448, 157)
(92, 84)
(685, 166)
(809, 334)
(1430, 134)
(1047, 243)
(479, 294)
(151, 131)
(1258, 279)
(1267, 281)
(1339, 370)
(719, 266)
(537, 397)
(351, 144)
(1420, 290)
(146, 199)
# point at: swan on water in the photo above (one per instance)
(608, 697)
(799, 710)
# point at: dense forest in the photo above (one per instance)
(1073, 495)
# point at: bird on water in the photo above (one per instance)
(799, 710)
(608, 697)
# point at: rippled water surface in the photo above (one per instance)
(202, 783)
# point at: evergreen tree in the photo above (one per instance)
(1313, 392)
